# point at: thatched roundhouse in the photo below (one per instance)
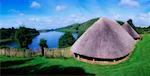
(105, 40)
(131, 31)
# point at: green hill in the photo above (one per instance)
(80, 28)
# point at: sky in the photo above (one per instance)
(48, 14)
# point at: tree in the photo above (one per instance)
(77, 29)
(120, 22)
(23, 37)
(42, 45)
(66, 40)
(7, 33)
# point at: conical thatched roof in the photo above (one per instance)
(131, 31)
(104, 39)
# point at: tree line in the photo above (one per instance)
(22, 35)
(140, 30)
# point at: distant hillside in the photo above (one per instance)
(80, 28)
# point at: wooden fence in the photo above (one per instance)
(63, 52)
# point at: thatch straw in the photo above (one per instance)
(104, 39)
(131, 31)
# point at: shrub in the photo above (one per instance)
(66, 40)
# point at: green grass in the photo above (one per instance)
(137, 65)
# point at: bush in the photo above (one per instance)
(23, 36)
(66, 40)
(42, 45)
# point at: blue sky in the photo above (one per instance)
(47, 14)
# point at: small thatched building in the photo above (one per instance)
(131, 31)
(105, 40)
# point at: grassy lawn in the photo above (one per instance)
(137, 65)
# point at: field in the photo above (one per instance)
(137, 65)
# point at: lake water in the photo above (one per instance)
(52, 38)
(11, 44)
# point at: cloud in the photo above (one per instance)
(144, 16)
(143, 19)
(13, 11)
(60, 8)
(34, 19)
(78, 18)
(1, 25)
(130, 3)
(21, 14)
(140, 19)
(35, 4)
(19, 22)
(16, 12)
(116, 16)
